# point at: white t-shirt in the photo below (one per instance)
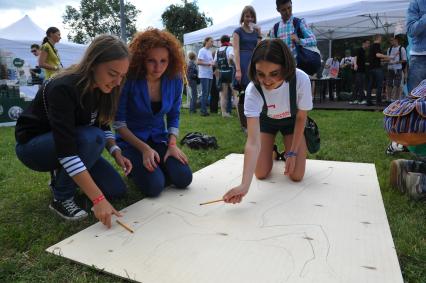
(278, 100)
(229, 53)
(393, 52)
(333, 70)
(205, 72)
(348, 61)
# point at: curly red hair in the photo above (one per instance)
(155, 38)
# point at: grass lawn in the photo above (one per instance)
(28, 227)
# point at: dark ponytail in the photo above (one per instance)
(49, 32)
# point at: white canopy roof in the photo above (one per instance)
(19, 36)
(360, 18)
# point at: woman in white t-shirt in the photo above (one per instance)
(272, 73)
(205, 72)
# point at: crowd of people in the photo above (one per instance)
(372, 68)
(137, 89)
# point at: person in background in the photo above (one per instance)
(192, 75)
(375, 70)
(285, 29)
(268, 110)
(66, 128)
(147, 120)
(245, 39)
(205, 73)
(358, 95)
(397, 57)
(223, 59)
(37, 74)
(49, 58)
(214, 91)
(416, 30)
(331, 71)
(347, 67)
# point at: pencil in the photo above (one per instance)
(213, 201)
(125, 226)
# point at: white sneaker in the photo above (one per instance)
(353, 102)
(364, 102)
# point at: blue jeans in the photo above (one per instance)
(39, 154)
(375, 76)
(416, 71)
(170, 172)
(206, 86)
(194, 96)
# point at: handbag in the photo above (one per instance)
(307, 60)
(405, 119)
(312, 136)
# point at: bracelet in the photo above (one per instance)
(172, 143)
(98, 199)
(290, 154)
(114, 148)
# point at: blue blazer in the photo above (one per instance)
(134, 110)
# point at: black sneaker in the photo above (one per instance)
(68, 209)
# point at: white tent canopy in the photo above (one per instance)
(360, 18)
(19, 36)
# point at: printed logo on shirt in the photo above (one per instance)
(271, 106)
(281, 116)
(93, 117)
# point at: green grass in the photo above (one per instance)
(28, 227)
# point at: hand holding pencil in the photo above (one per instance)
(235, 195)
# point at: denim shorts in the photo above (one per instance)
(272, 126)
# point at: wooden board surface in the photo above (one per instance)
(331, 227)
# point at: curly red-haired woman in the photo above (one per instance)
(153, 90)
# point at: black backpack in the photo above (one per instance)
(225, 71)
(404, 64)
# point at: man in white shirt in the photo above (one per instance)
(205, 72)
(397, 56)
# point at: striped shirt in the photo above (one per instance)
(286, 29)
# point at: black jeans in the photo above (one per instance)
(375, 77)
(359, 87)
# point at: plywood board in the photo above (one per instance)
(331, 227)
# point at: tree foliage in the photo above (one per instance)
(181, 19)
(96, 17)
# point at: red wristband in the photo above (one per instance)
(172, 143)
(98, 199)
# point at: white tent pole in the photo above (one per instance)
(122, 22)
(329, 47)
